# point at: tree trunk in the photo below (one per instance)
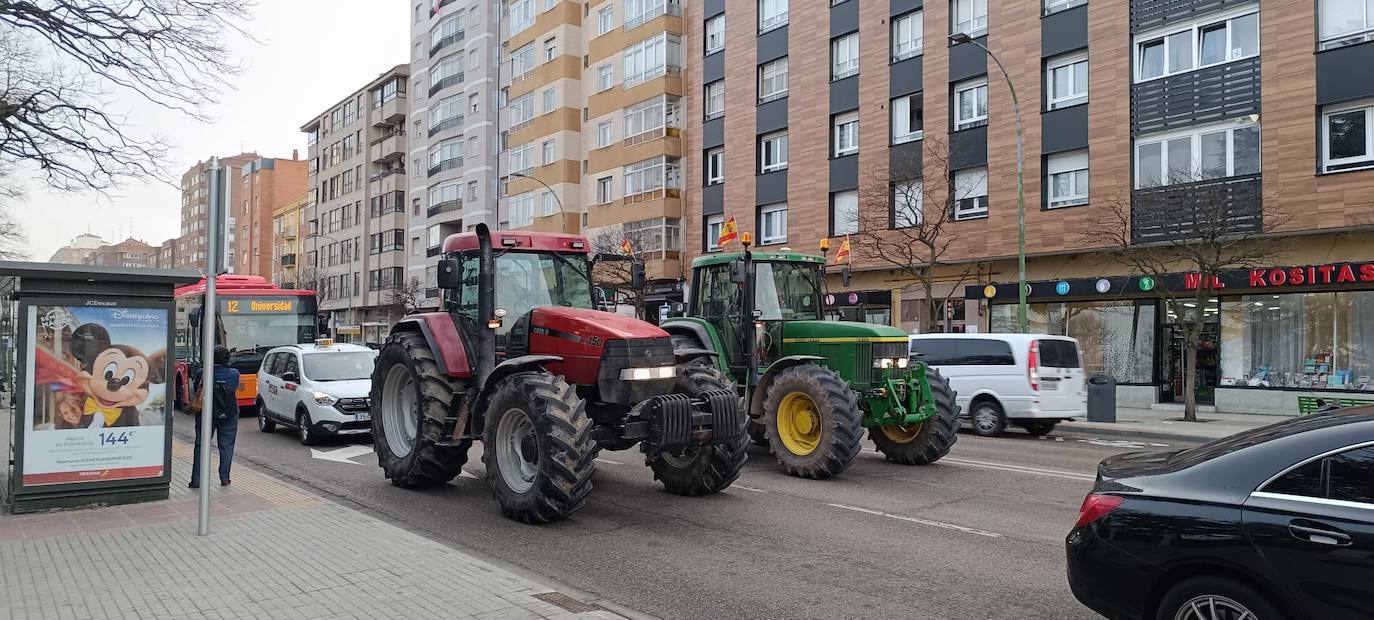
(1190, 379)
(928, 322)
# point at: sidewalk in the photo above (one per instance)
(1166, 425)
(274, 551)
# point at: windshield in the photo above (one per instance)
(786, 291)
(263, 331)
(339, 366)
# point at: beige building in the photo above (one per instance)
(195, 205)
(75, 253)
(288, 221)
(166, 256)
(127, 253)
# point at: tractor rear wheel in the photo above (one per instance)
(705, 469)
(538, 448)
(814, 422)
(927, 441)
(409, 397)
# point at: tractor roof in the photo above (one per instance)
(520, 241)
(783, 256)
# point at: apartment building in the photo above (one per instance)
(166, 255)
(453, 143)
(355, 244)
(266, 185)
(1266, 106)
(288, 221)
(81, 246)
(195, 205)
(127, 253)
(593, 125)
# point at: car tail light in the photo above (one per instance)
(1032, 364)
(1095, 507)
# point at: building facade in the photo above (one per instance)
(127, 253)
(195, 205)
(1126, 108)
(265, 185)
(166, 255)
(356, 243)
(75, 253)
(288, 221)
(453, 147)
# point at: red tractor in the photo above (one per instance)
(519, 358)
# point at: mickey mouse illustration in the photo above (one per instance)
(114, 376)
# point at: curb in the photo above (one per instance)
(1068, 429)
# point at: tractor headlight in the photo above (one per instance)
(902, 362)
(324, 399)
(645, 374)
(884, 363)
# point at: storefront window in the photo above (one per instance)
(1304, 341)
(1117, 337)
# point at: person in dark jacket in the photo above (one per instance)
(224, 418)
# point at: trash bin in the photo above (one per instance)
(1101, 398)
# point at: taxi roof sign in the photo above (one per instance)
(324, 342)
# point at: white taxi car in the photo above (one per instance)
(320, 389)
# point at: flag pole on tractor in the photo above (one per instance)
(728, 232)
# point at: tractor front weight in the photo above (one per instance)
(901, 401)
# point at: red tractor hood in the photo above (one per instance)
(592, 327)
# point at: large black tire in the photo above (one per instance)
(562, 447)
(838, 422)
(925, 442)
(1039, 428)
(428, 461)
(265, 423)
(1227, 593)
(708, 469)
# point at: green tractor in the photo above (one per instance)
(810, 386)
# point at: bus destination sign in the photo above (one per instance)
(259, 305)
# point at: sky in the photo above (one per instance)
(309, 54)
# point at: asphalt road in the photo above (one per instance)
(977, 535)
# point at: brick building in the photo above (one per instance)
(265, 185)
(195, 205)
(127, 253)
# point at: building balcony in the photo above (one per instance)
(447, 164)
(662, 141)
(391, 113)
(393, 180)
(288, 233)
(391, 147)
(644, 205)
(556, 223)
(1207, 210)
(288, 260)
(444, 207)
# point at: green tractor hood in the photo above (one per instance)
(840, 332)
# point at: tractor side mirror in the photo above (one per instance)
(738, 274)
(450, 273)
(844, 276)
(637, 276)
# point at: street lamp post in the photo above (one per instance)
(521, 175)
(1021, 320)
(334, 328)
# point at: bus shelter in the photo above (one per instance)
(87, 354)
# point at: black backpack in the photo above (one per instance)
(226, 404)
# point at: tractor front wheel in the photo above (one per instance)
(409, 397)
(538, 448)
(814, 422)
(705, 469)
(927, 441)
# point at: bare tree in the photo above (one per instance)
(64, 63)
(403, 298)
(1196, 228)
(616, 277)
(906, 222)
(12, 239)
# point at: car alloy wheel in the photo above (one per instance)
(1213, 607)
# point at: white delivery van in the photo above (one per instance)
(1028, 380)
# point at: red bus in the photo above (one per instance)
(253, 316)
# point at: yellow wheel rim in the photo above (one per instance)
(799, 424)
(902, 434)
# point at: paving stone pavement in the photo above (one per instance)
(263, 559)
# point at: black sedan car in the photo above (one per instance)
(1277, 522)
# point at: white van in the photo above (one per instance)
(1027, 380)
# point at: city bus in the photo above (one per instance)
(252, 316)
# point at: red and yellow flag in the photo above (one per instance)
(626, 247)
(729, 232)
(843, 254)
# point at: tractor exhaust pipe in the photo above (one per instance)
(486, 305)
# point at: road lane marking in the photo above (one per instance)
(939, 524)
(463, 473)
(1021, 469)
(609, 461)
(745, 488)
(342, 455)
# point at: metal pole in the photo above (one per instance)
(521, 175)
(207, 343)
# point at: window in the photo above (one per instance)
(549, 204)
(1303, 481)
(773, 224)
(521, 110)
(605, 192)
(773, 152)
(970, 194)
(908, 200)
(715, 99)
(1348, 137)
(969, 16)
(715, 34)
(652, 57)
(715, 166)
(650, 175)
(652, 115)
(907, 119)
(1217, 41)
(963, 352)
(1202, 153)
(845, 134)
(522, 158)
(550, 99)
(1068, 179)
(773, 80)
(446, 31)
(546, 152)
(521, 210)
(1350, 476)
(550, 49)
(1345, 22)
(605, 19)
(1066, 82)
(522, 61)
(711, 231)
(446, 153)
(772, 13)
(605, 77)
(447, 113)
(521, 16)
(1055, 6)
(844, 213)
(971, 104)
(639, 11)
(444, 69)
(844, 56)
(605, 133)
(908, 38)
(1308, 341)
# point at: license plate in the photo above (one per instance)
(1049, 386)
(364, 416)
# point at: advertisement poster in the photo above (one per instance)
(97, 408)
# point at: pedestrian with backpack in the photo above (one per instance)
(224, 416)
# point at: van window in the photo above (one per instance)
(1058, 354)
(963, 352)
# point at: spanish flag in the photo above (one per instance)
(626, 247)
(729, 232)
(843, 254)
